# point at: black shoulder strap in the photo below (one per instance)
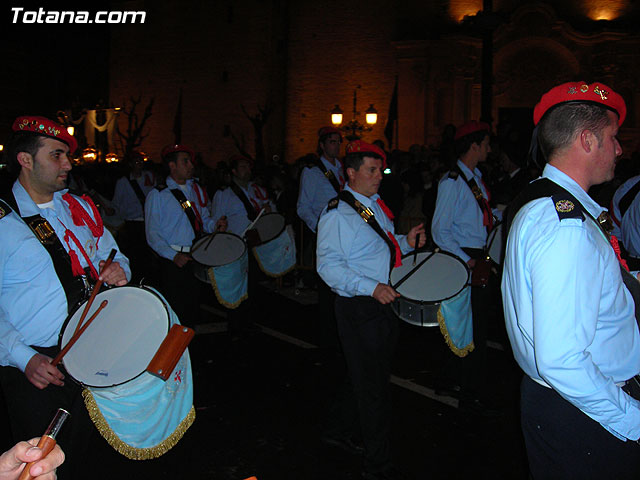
(137, 190)
(188, 210)
(627, 199)
(475, 189)
(547, 188)
(251, 212)
(327, 173)
(5, 209)
(75, 288)
(369, 218)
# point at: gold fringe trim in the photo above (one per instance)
(214, 285)
(445, 333)
(272, 275)
(127, 450)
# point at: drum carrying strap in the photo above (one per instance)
(627, 199)
(483, 203)
(546, 188)
(137, 190)
(326, 172)
(369, 218)
(75, 287)
(251, 212)
(192, 215)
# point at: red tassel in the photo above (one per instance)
(398, 261)
(387, 211)
(81, 217)
(76, 268)
(202, 199)
(616, 248)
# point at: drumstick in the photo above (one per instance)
(77, 334)
(47, 440)
(415, 249)
(94, 292)
(414, 269)
(253, 223)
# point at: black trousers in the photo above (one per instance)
(181, 289)
(564, 443)
(368, 333)
(31, 410)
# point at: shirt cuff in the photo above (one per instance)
(21, 355)
(366, 286)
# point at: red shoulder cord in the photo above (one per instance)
(76, 268)
(387, 211)
(487, 214)
(81, 217)
(202, 199)
(616, 248)
(260, 193)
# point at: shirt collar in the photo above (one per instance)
(366, 201)
(171, 183)
(328, 164)
(26, 204)
(467, 172)
(569, 184)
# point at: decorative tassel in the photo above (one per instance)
(616, 248)
(203, 199)
(387, 211)
(81, 217)
(76, 268)
(398, 252)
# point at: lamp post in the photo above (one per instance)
(354, 129)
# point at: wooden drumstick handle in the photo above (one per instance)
(96, 289)
(47, 441)
(77, 334)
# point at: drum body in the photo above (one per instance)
(494, 244)
(276, 251)
(216, 250)
(269, 226)
(121, 341)
(139, 414)
(440, 278)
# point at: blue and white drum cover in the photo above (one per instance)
(140, 415)
(223, 262)
(276, 255)
(437, 294)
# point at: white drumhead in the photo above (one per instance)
(442, 276)
(269, 226)
(494, 241)
(121, 340)
(218, 249)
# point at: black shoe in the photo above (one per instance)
(390, 473)
(345, 444)
(476, 406)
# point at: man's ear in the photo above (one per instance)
(587, 140)
(25, 160)
(350, 173)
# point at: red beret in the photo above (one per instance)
(471, 127)
(177, 148)
(45, 127)
(580, 92)
(329, 130)
(358, 146)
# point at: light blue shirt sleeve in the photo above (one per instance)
(306, 206)
(442, 229)
(155, 216)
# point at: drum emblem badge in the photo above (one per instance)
(564, 206)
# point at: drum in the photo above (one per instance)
(269, 226)
(441, 277)
(275, 250)
(494, 244)
(222, 260)
(139, 414)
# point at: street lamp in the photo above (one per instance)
(354, 129)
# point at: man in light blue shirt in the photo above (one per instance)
(626, 216)
(174, 217)
(322, 180)
(52, 243)
(461, 223)
(355, 259)
(569, 316)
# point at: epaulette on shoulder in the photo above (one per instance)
(4, 210)
(453, 174)
(566, 208)
(160, 187)
(333, 203)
